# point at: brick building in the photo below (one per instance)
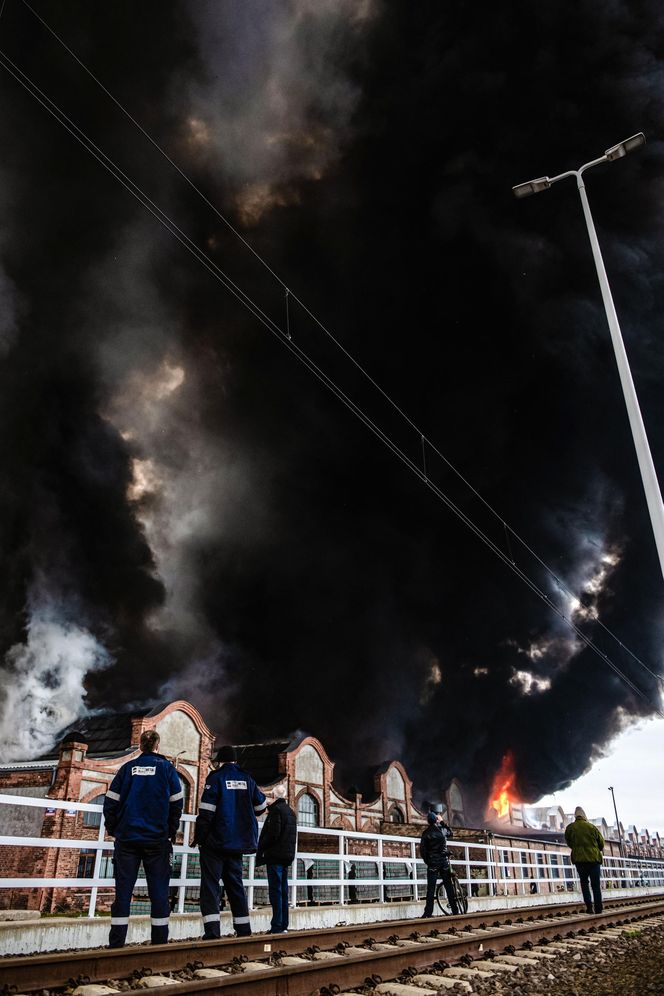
(81, 769)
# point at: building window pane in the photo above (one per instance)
(86, 862)
(94, 819)
(186, 789)
(308, 811)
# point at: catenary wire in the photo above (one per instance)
(290, 294)
(24, 80)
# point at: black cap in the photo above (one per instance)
(226, 753)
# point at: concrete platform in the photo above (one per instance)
(32, 936)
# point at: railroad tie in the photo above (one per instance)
(459, 972)
(92, 989)
(494, 966)
(155, 981)
(440, 982)
(520, 960)
(398, 989)
(209, 973)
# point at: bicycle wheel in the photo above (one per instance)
(441, 899)
(461, 896)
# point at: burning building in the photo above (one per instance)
(81, 769)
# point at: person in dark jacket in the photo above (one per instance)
(226, 829)
(276, 849)
(142, 810)
(587, 846)
(434, 853)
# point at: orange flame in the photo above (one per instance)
(502, 791)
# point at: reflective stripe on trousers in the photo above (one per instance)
(157, 858)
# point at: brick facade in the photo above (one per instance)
(80, 774)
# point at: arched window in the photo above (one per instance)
(308, 811)
(94, 819)
(395, 815)
(186, 788)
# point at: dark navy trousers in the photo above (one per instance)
(277, 887)
(157, 858)
(589, 872)
(227, 866)
(433, 874)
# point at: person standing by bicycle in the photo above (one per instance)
(434, 854)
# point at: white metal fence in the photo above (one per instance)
(332, 866)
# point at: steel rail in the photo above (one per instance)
(35, 972)
(353, 970)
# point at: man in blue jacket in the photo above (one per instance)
(142, 810)
(226, 829)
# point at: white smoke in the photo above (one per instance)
(43, 682)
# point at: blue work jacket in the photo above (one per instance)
(144, 801)
(230, 803)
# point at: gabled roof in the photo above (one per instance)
(106, 734)
(262, 759)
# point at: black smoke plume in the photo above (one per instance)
(186, 511)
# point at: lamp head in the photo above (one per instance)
(622, 148)
(531, 187)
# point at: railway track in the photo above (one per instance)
(301, 962)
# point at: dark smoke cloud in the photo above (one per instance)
(188, 504)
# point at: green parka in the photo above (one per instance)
(585, 840)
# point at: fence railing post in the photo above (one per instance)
(413, 858)
(182, 889)
(381, 872)
(92, 906)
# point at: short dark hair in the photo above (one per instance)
(226, 753)
(149, 740)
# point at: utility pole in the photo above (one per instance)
(620, 837)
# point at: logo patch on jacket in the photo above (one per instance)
(239, 783)
(143, 769)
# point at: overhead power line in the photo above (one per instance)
(290, 295)
(285, 338)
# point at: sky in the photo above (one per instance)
(303, 417)
(633, 767)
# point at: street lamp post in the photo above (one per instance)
(646, 465)
(620, 836)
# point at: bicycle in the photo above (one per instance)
(460, 893)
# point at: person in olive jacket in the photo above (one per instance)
(587, 845)
(276, 849)
(434, 854)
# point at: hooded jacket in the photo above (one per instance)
(278, 839)
(585, 840)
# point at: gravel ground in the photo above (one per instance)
(630, 964)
